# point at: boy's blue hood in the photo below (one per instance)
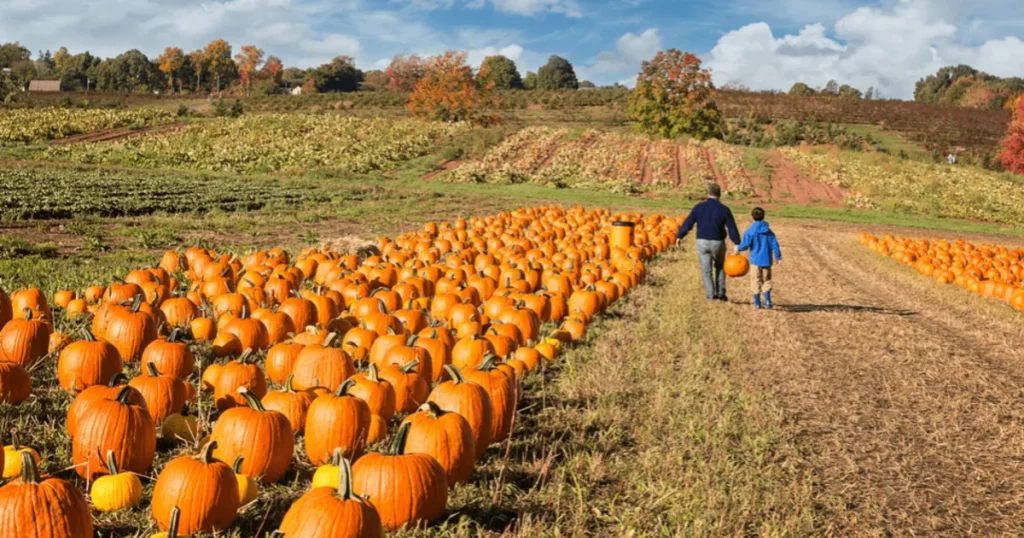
(759, 227)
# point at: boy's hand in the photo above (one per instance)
(778, 263)
(736, 250)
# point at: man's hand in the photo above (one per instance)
(679, 243)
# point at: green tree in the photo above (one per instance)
(10, 53)
(530, 82)
(586, 84)
(850, 92)
(500, 72)
(802, 90)
(129, 72)
(557, 74)
(675, 96)
(340, 75)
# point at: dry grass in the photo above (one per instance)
(907, 392)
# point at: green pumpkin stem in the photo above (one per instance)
(490, 360)
(137, 303)
(288, 383)
(454, 373)
(374, 376)
(345, 489)
(237, 465)
(432, 409)
(14, 441)
(330, 339)
(398, 446)
(206, 453)
(252, 400)
(175, 334)
(412, 340)
(172, 529)
(343, 389)
(244, 357)
(29, 473)
(151, 368)
(112, 463)
(117, 379)
(27, 313)
(124, 394)
(336, 457)
(410, 367)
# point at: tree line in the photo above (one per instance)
(216, 68)
(965, 86)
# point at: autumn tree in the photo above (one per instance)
(404, 72)
(375, 81)
(449, 92)
(170, 64)
(217, 55)
(501, 72)
(1012, 156)
(197, 59)
(249, 61)
(801, 89)
(273, 69)
(675, 96)
(557, 74)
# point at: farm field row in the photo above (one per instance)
(19, 127)
(407, 311)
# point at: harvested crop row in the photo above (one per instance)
(416, 347)
(990, 271)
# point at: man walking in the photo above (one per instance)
(713, 220)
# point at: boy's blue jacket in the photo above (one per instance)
(761, 242)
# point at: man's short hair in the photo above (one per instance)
(714, 189)
(757, 213)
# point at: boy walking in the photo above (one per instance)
(763, 245)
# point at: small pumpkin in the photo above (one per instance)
(248, 488)
(447, 437)
(293, 404)
(411, 390)
(234, 375)
(130, 330)
(333, 511)
(116, 491)
(376, 392)
(164, 394)
(43, 507)
(330, 365)
(204, 490)
(182, 426)
(406, 489)
(280, 361)
(170, 356)
(263, 437)
(736, 266)
(337, 420)
(24, 340)
(12, 460)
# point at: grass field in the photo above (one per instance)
(870, 403)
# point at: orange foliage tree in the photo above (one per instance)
(249, 61)
(674, 96)
(170, 64)
(404, 72)
(1013, 145)
(449, 92)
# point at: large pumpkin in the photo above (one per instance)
(406, 489)
(15, 384)
(333, 512)
(35, 507)
(114, 425)
(736, 266)
(337, 420)
(445, 436)
(205, 491)
(129, 330)
(24, 340)
(293, 404)
(85, 363)
(500, 383)
(83, 402)
(264, 438)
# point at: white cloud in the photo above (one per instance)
(624, 62)
(512, 52)
(888, 47)
(569, 8)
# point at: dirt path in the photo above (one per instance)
(118, 134)
(908, 394)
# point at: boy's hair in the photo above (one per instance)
(757, 213)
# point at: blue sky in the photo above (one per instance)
(887, 44)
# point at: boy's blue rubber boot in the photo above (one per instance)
(757, 301)
(768, 299)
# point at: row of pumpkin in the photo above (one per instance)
(988, 270)
(442, 324)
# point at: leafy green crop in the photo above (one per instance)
(40, 125)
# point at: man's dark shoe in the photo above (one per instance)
(724, 299)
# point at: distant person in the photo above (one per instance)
(951, 159)
(713, 219)
(760, 240)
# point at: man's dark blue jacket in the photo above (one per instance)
(712, 219)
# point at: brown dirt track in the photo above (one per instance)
(906, 394)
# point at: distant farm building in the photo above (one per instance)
(44, 86)
(296, 90)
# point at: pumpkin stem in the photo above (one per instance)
(237, 465)
(29, 473)
(343, 389)
(137, 303)
(124, 394)
(117, 379)
(151, 368)
(172, 529)
(330, 339)
(373, 373)
(398, 447)
(432, 409)
(244, 357)
(410, 367)
(336, 457)
(454, 373)
(252, 400)
(175, 334)
(14, 440)
(288, 383)
(345, 490)
(87, 335)
(488, 363)
(28, 313)
(206, 453)
(111, 462)
(412, 340)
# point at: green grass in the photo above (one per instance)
(892, 141)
